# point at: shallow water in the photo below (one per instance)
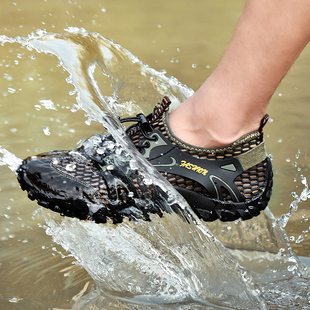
(181, 266)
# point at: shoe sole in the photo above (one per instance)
(206, 208)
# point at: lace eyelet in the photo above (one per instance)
(153, 138)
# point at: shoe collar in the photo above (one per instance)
(244, 139)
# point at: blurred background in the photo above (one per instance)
(185, 39)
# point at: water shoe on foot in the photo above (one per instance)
(97, 180)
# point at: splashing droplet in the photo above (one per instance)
(48, 104)
(100, 150)
(46, 131)
(70, 167)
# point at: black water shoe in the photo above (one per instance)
(98, 180)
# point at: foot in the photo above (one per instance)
(97, 181)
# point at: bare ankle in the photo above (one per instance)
(196, 125)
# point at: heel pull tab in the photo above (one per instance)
(263, 122)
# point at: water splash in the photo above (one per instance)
(180, 277)
(304, 195)
(9, 159)
(165, 261)
(168, 260)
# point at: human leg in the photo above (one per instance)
(223, 170)
(269, 37)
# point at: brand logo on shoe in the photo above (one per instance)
(193, 167)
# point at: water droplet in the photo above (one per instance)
(292, 268)
(133, 164)
(7, 77)
(46, 131)
(88, 121)
(300, 239)
(15, 299)
(118, 151)
(100, 150)
(194, 65)
(111, 145)
(11, 90)
(70, 167)
(294, 195)
(304, 180)
(48, 104)
(288, 160)
(147, 181)
(74, 108)
(55, 161)
(280, 140)
(103, 10)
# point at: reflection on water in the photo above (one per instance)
(168, 263)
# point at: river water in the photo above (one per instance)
(61, 80)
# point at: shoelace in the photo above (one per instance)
(263, 122)
(144, 122)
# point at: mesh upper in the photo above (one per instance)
(249, 183)
(86, 174)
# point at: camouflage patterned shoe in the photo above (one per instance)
(96, 181)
